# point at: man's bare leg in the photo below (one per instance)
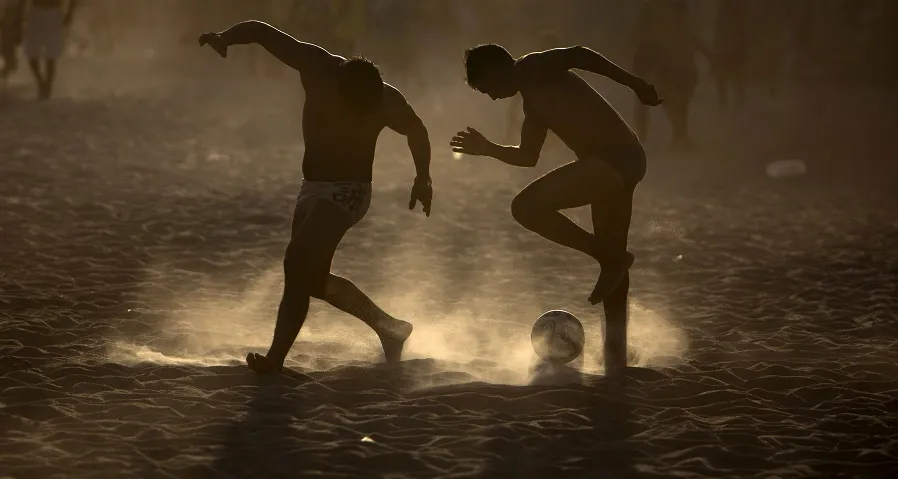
(616, 318)
(292, 314)
(35, 64)
(611, 216)
(49, 77)
(589, 181)
(318, 227)
(344, 295)
(537, 207)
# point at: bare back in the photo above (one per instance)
(339, 141)
(566, 104)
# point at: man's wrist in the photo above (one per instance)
(495, 150)
(634, 82)
(423, 180)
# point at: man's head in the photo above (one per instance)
(360, 84)
(490, 69)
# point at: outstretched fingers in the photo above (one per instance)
(425, 204)
(459, 141)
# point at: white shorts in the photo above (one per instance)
(352, 197)
(44, 32)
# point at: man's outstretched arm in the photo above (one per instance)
(301, 56)
(583, 58)
(526, 155)
(402, 119)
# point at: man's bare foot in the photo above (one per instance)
(610, 277)
(393, 337)
(261, 364)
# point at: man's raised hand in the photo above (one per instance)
(647, 93)
(470, 142)
(215, 41)
(422, 191)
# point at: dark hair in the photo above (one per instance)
(360, 83)
(480, 58)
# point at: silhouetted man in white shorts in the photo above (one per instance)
(347, 105)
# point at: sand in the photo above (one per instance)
(143, 226)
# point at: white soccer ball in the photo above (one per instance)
(558, 337)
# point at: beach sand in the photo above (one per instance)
(143, 228)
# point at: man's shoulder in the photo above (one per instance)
(392, 94)
(528, 63)
(544, 62)
(394, 102)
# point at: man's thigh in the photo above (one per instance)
(318, 227)
(579, 183)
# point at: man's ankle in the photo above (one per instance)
(614, 260)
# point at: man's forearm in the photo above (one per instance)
(243, 33)
(511, 155)
(419, 145)
(301, 56)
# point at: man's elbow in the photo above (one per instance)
(583, 54)
(417, 134)
(259, 31)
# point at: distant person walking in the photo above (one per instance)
(45, 23)
(10, 36)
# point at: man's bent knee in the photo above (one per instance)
(524, 209)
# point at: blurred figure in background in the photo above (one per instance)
(102, 23)
(731, 50)
(767, 32)
(349, 23)
(315, 20)
(11, 19)
(277, 12)
(45, 24)
(665, 54)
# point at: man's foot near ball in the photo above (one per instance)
(611, 275)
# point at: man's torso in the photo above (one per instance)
(573, 110)
(339, 142)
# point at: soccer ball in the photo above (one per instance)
(558, 337)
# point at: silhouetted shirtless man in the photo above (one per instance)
(347, 105)
(610, 162)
